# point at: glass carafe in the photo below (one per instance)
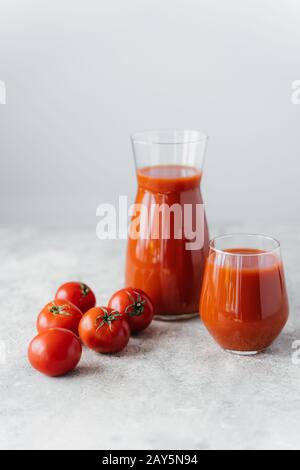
(168, 237)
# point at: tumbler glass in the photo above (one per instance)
(244, 303)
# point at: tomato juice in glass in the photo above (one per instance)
(244, 303)
(166, 264)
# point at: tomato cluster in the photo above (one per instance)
(72, 318)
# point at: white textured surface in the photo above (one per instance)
(171, 388)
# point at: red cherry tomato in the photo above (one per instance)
(135, 306)
(55, 352)
(78, 294)
(104, 330)
(59, 314)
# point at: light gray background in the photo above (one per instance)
(82, 75)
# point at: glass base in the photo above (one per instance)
(179, 317)
(243, 353)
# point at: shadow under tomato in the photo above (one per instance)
(86, 370)
(142, 342)
(155, 330)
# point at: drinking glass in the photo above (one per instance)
(244, 303)
(166, 258)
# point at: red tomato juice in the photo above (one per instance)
(244, 302)
(165, 269)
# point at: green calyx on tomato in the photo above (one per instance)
(106, 318)
(137, 306)
(58, 309)
(84, 289)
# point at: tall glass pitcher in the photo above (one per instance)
(168, 237)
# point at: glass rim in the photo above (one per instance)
(140, 137)
(250, 235)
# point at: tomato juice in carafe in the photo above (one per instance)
(164, 258)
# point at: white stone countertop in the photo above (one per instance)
(172, 388)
